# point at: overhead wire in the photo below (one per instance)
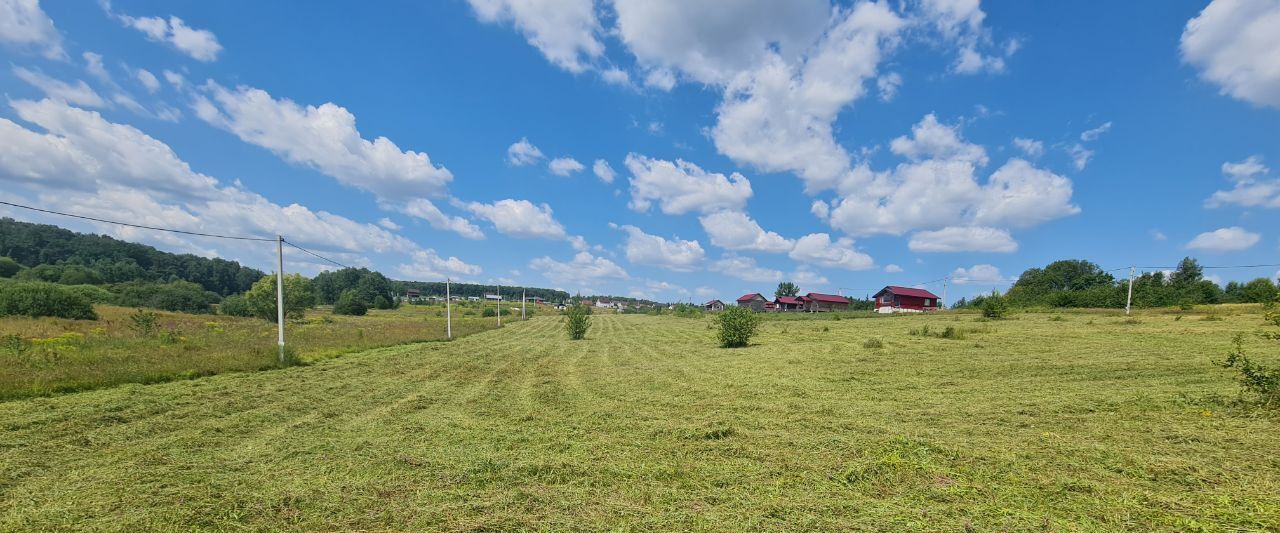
(155, 228)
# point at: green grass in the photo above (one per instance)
(1029, 423)
(72, 355)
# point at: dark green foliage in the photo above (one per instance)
(36, 299)
(860, 304)
(488, 312)
(1255, 379)
(995, 306)
(107, 260)
(181, 296)
(873, 344)
(577, 321)
(382, 302)
(736, 326)
(1260, 290)
(1059, 284)
(8, 267)
(786, 288)
(368, 285)
(349, 303)
(64, 274)
(235, 305)
(298, 297)
(688, 311)
(93, 293)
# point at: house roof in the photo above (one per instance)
(830, 298)
(713, 302)
(749, 297)
(790, 300)
(907, 291)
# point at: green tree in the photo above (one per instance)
(1260, 290)
(8, 267)
(786, 288)
(1188, 273)
(349, 303)
(1063, 284)
(298, 297)
(995, 306)
(577, 321)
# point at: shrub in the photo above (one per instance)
(382, 302)
(873, 344)
(144, 322)
(349, 303)
(488, 312)
(1254, 378)
(235, 305)
(995, 306)
(93, 293)
(9, 267)
(37, 299)
(180, 296)
(577, 321)
(737, 326)
(298, 297)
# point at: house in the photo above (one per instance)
(895, 299)
(755, 301)
(534, 300)
(714, 306)
(492, 298)
(412, 294)
(816, 302)
(789, 303)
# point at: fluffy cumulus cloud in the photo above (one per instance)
(564, 166)
(426, 210)
(603, 171)
(79, 93)
(734, 230)
(521, 219)
(680, 187)
(428, 265)
(1232, 239)
(819, 249)
(808, 279)
(976, 275)
(1234, 45)
(939, 187)
(201, 45)
(960, 22)
(746, 269)
(85, 164)
(675, 254)
(523, 153)
(1251, 185)
(584, 270)
(23, 25)
(148, 80)
(963, 239)
(1031, 147)
(892, 268)
(565, 31)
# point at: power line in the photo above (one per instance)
(233, 237)
(316, 255)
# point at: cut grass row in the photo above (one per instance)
(1090, 422)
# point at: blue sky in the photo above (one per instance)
(843, 146)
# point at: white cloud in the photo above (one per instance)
(563, 30)
(675, 254)
(746, 269)
(973, 62)
(1250, 187)
(201, 45)
(147, 79)
(808, 279)
(888, 85)
(523, 153)
(564, 166)
(389, 224)
(734, 230)
(24, 25)
(616, 76)
(93, 65)
(932, 140)
(963, 239)
(1234, 44)
(1093, 134)
(818, 249)
(961, 22)
(820, 209)
(423, 208)
(520, 218)
(976, 275)
(176, 80)
(582, 271)
(681, 187)
(1232, 239)
(428, 265)
(892, 268)
(661, 79)
(603, 171)
(1080, 155)
(1021, 195)
(705, 292)
(79, 94)
(1159, 235)
(1033, 148)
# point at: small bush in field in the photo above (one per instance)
(873, 344)
(577, 321)
(1254, 378)
(737, 326)
(995, 306)
(349, 303)
(144, 322)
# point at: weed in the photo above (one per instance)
(15, 345)
(144, 322)
(873, 344)
(1254, 378)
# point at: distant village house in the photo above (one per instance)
(895, 299)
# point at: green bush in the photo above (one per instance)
(93, 293)
(737, 326)
(1254, 378)
(235, 305)
(995, 306)
(9, 267)
(298, 297)
(382, 302)
(36, 299)
(144, 322)
(349, 303)
(577, 321)
(488, 312)
(180, 296)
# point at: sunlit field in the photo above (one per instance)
(1057, 421)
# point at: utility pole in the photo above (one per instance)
(1129, 302)
(943, 304)
(499, 305)
(280, 294)
(522, 303)
(448, 311)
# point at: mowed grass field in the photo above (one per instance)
(1077, 421)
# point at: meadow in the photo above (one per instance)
(41, 356)
(1042, 421)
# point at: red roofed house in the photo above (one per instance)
(893, 299)
(818, 302)
(714, 306)
(755, 301)
(789, 303)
